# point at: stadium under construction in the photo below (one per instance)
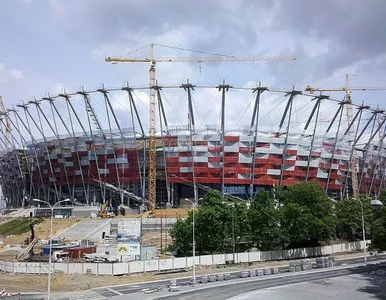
(92, 146)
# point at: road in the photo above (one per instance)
(227, 291)
(131, 289)
(218, 291)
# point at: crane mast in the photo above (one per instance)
(353, 158)
(152, 105)
(349, 112)
(152, 130)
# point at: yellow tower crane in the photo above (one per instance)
(347, 89)
(152, 82)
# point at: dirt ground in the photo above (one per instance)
(42, 231)
(171, 213)
(67, 283)
(154, 239)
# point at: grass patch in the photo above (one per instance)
(18, 226)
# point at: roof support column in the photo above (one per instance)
(366, 149)
(340, 110)
(72, 134)
(317, 109)
(34, 143)
(288, 108)
(254, 124)
(191, 126)
(133, 109)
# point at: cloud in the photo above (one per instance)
(10, 75)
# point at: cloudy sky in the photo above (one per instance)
(48, 45)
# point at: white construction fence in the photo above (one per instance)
(176, 263)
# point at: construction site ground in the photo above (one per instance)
(68, 283)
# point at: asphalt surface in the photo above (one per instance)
(217, 291)
(228, 291)
(131, 289)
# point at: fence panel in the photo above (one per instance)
(242, 257)
(8, 267)
(277, 255)
(120, 268)
(254, 256)
(61, 267)
(219, 259)
(38, 268)
(180, 263)
(19, 267)
(327, 250)
(265, 255)
(105, 268)
(151, 265)
(206, 260)
(75, 268)
(165, 264)
(90, 268)
(136, 266)
(337, 248)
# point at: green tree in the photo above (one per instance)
(182, 235)
(213, 198)
(378, 232)
(308, 215)
(349, 217)
(264, 221)
(382, 196)
(210, 229)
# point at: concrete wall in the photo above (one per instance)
(174, 263)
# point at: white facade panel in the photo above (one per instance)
(186, 169)
(273, 172)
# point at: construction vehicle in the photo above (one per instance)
(31, 242)
(105, 213)
(153, 91)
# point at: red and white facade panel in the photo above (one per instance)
(275, 159)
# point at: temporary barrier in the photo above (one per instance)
(174, 263)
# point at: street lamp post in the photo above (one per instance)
(193, 242)
(363, 231)
(52, 207)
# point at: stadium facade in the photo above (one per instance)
(108, 162)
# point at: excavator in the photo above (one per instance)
(104, 213)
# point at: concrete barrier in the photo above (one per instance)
(119, 268)
(165, 264)
(151, 265)
(189, 261)
(337, 248)
(206, 260)
(277, 255)
(20, 267)
(62, 267)
(265, 255)
(90, 268)
(105, 269)
(36, 268)
(180, 263)
(254, 256)
(327, 250)
(136, 266)
(242, 257)
(219, 259)
(76, 268)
